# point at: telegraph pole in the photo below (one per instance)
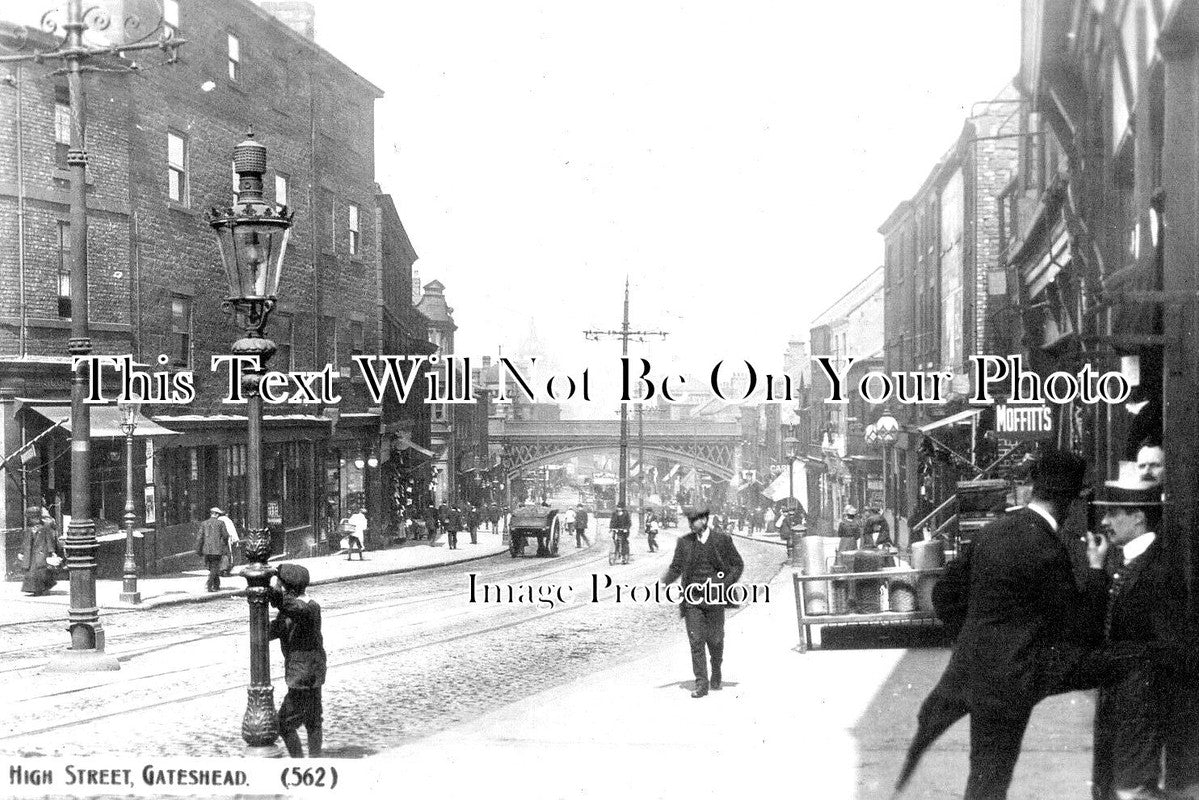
(624, 334)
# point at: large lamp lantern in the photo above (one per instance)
(253, 240)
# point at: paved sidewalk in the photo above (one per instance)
(828, 724)
(188, 587)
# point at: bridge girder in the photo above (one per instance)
(716, 456)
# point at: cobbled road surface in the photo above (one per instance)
(409, 655)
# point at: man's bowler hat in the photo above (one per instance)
(1059, 472)
(695, 513)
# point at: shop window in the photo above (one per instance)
(235, 483)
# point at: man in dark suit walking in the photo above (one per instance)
(1144, 605)
(1026, 628)
(704, 557)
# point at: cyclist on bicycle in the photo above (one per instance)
(620, 523)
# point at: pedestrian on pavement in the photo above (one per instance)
(569, 521)
(581, 520)
(235, 552)
(472, 522)
(432, 523)
(212, 542)
(768, 517)
(1027, 630)
(651, 531)
(359, 522)
(875, 530)
(493, 517)
(453, 524)
(621, 523)
(1132, 716)
(703, 557)
(849, 529)
(298, 629)
(40, 545)
(757, 520)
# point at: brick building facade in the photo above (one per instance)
(160, 144)
(944, 293)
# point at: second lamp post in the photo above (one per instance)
(253, 239)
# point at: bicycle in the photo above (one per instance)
(620, 548)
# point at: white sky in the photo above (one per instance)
(734, 160)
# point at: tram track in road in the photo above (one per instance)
(333, 609)
(532, 617)
(237, 626)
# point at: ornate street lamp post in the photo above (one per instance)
(253, 239)
(129, 592)
(886, 432)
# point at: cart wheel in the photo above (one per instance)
(612, 557)
(555, 533)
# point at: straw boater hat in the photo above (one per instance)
(1128, 494)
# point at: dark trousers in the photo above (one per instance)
(705, 629)
(474, 535)
(652, 540)
(213, 564)
(996, 732)
(581, 537)
(1129, 719)
(452, 538)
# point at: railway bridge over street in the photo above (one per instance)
(704, 445)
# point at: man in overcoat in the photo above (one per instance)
(581, 527)
(1145, 604)
(703, 557)
(620, 524)
(212, 542)
(1026, 628)
(40, 543)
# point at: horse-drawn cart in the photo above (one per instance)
(535, 522)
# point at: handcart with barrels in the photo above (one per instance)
(542, 523)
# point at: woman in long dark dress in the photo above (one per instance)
(40, 542)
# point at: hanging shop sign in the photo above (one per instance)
(1023, 422)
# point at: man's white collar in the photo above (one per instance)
(1040, 508)
(1138, 546)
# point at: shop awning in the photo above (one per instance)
(780, 487)
(106, 421)
(952, 419)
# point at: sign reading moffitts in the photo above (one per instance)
(1023, 422)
